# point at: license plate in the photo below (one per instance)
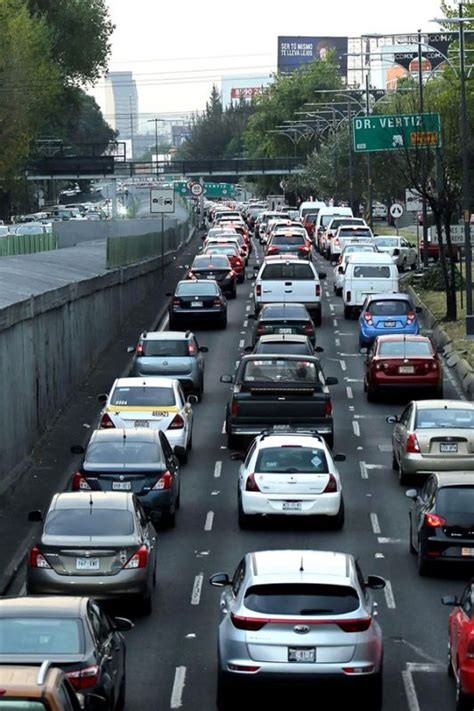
(451, 447)
(406, 369)
(389, 324)
(302, 655)
(468, 552)
(292, 506)
(87, 563)
(141, 423)
(210, 276)
(285, 330)
(196, 304)
(121, 485)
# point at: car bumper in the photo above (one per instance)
(323, 428)
(283, 672)
(405, 381)
(419, 464)
(123, 584)
(157, 503)
(445, 551)
(368, 336)
(188, 381)
(321, 505)
(187, 314)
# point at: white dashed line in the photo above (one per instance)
(410, 691)
(349, 392)
(374, 520)
(356, 428)
(363, 469)
(337, 342)
(178, 688)
(237, 363)
(242, 343)
(223, 428)
(246, 323)
(209, 521)
(382, 540)
(331, 306)
(335, 322)
(343, 364)
(389, 597)
(218, 469)
(247, 308)
(197, 589)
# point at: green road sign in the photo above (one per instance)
(395, 132)
(211, 190)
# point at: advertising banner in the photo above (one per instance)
(294, 52)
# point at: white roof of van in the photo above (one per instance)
(371, 258)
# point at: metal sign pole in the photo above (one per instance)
(162, 246)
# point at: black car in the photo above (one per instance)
(286, 344)
(199, 299)
(74, 634)
(138, 460)
(284, 319)
(442, 520)
(217, 267)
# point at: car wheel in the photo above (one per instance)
(225, 693)
(183, 455)
(233, 441)
(223, 322)
(371, 393)
(464, 702)
(337, 522)
(190, 443)
(423, 565)
(365, 385)
(438, 393)
(394, 461)
(318, 318)
(244, 519)
(374, 697)
(170, 519)
(347, 312)
(145, 605)
(449, 666)
(402, 476)
(410, 540)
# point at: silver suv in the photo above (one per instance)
(171, 354)
(298, 615)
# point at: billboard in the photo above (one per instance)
(294, 52)
(246, 92)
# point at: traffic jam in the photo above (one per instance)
(277, 498)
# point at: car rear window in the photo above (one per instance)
(351, 248)
(285, 347)
(191, 288)
(208, 262)
(371, 271)
(291, 460)
(386, 242)
(345, 221)
(457, 418)
(41, 635)
(354, 233)
(169, 348)
(280, 370)
(301, 599)
(284, 311)
(386, 307)
(405, 349)
(289, 240)
(145, 396)
(90, 521)
(123, 451)
(296, 272)
(455, 500)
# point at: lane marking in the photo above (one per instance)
(237, 363)
(410, 691)
(197, 589)
(246, 323)
(209, 521)
(389, 596)
(374, 520)
(164, 324)
(331, 306)
(242, 343)
(349, 392)
(356, 428)
(389, 540)
(354, 380)
(343, 364)
(363, 470)
(335, 322)
(337, 342)
(217, 469)
(247, 308)
(178, 688)
(223, 428)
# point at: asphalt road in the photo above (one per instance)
(172, 654)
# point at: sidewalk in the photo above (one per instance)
(52, 463)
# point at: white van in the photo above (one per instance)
(367, 274)
(325, 216)
(310, 206)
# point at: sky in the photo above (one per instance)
(176, 50)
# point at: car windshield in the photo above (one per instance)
(442, 417)
(122, 451)
(291, 460)
(168, 348)
(295, 271)
(210, 262)
(455, 500)
(386, 242)
(345, 221)
(326, 220)
(301, 599)
(279, 370)
(192, 288)
(41, 635)
(144, 396)
(289, 240)
(221, 250)
(395, 307)
(284, 311)
(369, 271)
(405, 349)
(91, 521)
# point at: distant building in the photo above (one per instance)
(121, 104)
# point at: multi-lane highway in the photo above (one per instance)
(171, 656)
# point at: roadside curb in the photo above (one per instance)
(454, 359)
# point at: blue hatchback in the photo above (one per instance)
(384, 314)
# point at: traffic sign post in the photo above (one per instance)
(395, 132)
(196, 189)
(396, 211)
(161, 203)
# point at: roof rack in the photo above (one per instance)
(43, 670)
(292, 430)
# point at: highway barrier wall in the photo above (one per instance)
(49, 342)
(27, 244)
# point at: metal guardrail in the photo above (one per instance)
(27, 244)
(126, 250)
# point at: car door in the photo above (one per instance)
(420, 506)
(230, 594)
(185, 410)
(400, 432)
(110, 650)
(461, 628)
(199, 356)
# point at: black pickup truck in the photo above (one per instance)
(271, 391)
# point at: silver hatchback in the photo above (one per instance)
(298, 616)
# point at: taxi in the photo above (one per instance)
(154, 402)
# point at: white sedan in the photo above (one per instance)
(151, 402)
(289, 474)
(402, 253)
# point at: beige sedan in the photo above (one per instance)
(433, 435)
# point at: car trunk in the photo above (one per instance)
(139, 480)
(407, 366)
(81, 556)
(288, 483)
(282, 404)
(392, 322)
(217, 274)
(163, 365)
(158, 416)
(197, 302)
(445, 444)
(286, 326)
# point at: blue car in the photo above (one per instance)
(383, 314)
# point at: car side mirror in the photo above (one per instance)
(35, 516)
(219, 580)
(396, 252)
(227, 379)
(192, 399)
(248, 349)
(322, 275)
(364, 351)
(131, 349)
(411, 493)
(203, 349)
(392, 419)
(251, 317)
(77, 449)
(449, 600)
(318, 349)
(237, 456)
(122, 624)
(331, 381)
(375, 582)
(102, 398)
(339, 457)
(418, 310)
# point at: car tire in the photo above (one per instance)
(173, 326)
(233, 293)
(190, 443)
(394, 461)
(337, 521)
(347, 313)
(410, 540)
(403, 477)
(423, 565)
(339, 291)
(145, 605)
(223, 322)
(449, 666)
(374, 696)
(438, 393)
(318, 318)
(225, 693)
(464, 702)
(183, 456)
(371, 394)
(170, 519)
(244, 519)
(234, 441)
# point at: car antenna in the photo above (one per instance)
(301, 565)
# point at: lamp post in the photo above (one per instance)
(155, 121)
(424, 211)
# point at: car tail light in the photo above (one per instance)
(410, 317)
(434, 365)
(238, 262)
(469, 652)
(105, 422)
(260, 329)
(303, 248)
(231, 273)
(139, 350)
(308, 329)
(258, 290)
(216, 301)
(359, 670)
(36, 559)
(138, 560)
(234, 408)
(242, 668)
(84, 678)
(433, 520)
(271, 250)
(368, 318)
(164, 482)
(191, 349)
(251, 484)
(79, 483)
(247, 623)
(317, 290)
(412, 445)
(331, 486)
(176, 302)
(328, 410)
(177, 423)
(190, 275)
(355, 625)
(380, 365)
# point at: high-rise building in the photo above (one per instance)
(121, 104)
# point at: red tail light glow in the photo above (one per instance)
(177, 423)
(139, 349)
(331, 486)
(176, 302)
(36, 559)
(234, 408)
(247, 623)
(79, 483)
(328, 411)
(105, 422)
(317, 290)
(258, 290)
(138, 560)
(368, 318)
(410, 317)
(216, 301)
(164, 482)
(251, 484)
(84, 678)
(260, 329)
(191, 349)
(308, 329)
(356, 625)
(433, 520)
(412, 445)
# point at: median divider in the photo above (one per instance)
(27, 244)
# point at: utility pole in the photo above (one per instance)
(131, 122)
(424, 211)
(351, 179)
(369, 175)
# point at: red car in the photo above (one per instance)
(232, 253)
(433, 250)
(402, 361)
(461, 646)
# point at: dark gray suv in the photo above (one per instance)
(171, 354)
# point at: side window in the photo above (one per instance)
(181, 397)
(238, 577)
(195, 345)
(405, 416)
(141, 515)
(403, 243)
(167, 451)
(360, 579)
(427, 490)
(467, 600)
(99, 623)
(250, 454)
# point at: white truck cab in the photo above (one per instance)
(367, 273)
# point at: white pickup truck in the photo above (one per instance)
(289, 279)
